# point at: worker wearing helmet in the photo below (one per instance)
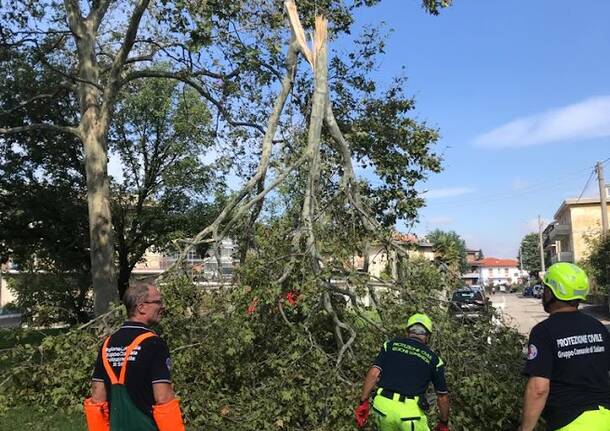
(402, 371)
(568, 359)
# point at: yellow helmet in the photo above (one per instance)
(567, 281)
(422, 319)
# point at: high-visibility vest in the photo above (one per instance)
(124, 415)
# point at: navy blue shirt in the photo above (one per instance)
(572, 350)
(408, 366)
(148, 364)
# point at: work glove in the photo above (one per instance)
(441, 426)
(362, 413)
(97, 414)
(168, 416)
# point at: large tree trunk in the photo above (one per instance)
(93, 135)
(100, 220)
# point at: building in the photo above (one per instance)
(154, 263)
(472, 276)
(380, 262)
(6, 295)
(565, 239)
(495, 272)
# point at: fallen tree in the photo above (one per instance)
(287, 346)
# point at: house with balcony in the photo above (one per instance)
(565, 239)
(495, 272)
(155, 263)
(472, 276)
(380, 261)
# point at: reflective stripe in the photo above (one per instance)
(440, 362)
(385, 346)
(109, 372)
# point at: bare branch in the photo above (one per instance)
(75, 18)
(41, 126)
(185, 77)
(114, 81)
(242, 209)
(266, 150)
(98, 12)
(30, 100)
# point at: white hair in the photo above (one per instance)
(418, 329)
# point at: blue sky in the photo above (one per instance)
(520, 91)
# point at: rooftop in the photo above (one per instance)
(493, 261)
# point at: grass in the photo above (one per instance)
(33, 419)
(27, 417)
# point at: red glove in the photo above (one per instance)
(362, 413)
(441, 426)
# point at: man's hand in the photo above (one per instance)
(441, 426)
(362, 413)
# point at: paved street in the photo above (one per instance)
(519, 312)
(523, 313)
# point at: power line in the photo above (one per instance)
(586, 185)
(507, 194)
(490, 198)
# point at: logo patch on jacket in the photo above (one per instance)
(532, 352)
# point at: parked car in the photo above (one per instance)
(467, 303)
(528, 291)
(537, 291)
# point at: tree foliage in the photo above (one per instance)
(273, 366)
(450, 249)
(229, 52)
(597, 263)
(529, 253)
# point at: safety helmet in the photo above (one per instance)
(422, 319)
(567, 281)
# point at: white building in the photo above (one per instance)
(494, 272)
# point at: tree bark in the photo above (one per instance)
(93, 135)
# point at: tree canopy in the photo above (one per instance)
(529, 253)
(450, 249)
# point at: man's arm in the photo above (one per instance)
(163, 393)
(98, 392)
(536, 393)
(442, 401)
(369, 383)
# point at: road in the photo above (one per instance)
(523, 313)
(519, 312)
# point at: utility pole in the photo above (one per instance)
(541, 248)
(602, 197)
(521, 258)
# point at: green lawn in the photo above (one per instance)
(32, 419)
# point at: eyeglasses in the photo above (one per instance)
(158, 302)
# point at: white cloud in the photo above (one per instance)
(583, 120)
(447, 192)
